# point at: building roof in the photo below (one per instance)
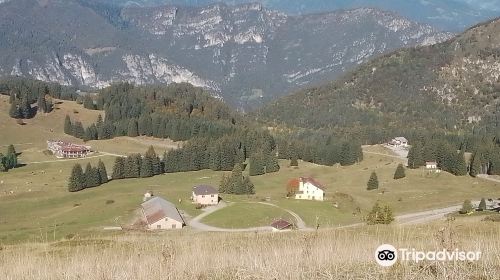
(402, 139)
(158, 208)
(204, 190)
(430, 162)
(281, 224)
(313, 182)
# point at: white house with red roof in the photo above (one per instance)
(310, 189)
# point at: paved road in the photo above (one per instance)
(486, 177)
(428, 216)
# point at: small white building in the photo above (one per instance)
(432, 166)
(205, 195)
(310, 189)
(399, 142)
(161, 214)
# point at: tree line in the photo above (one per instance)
(90, 178)
(450, 155)
(25, 92)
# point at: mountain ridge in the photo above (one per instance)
(245, 54)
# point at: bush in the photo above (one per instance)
(492, 218)
(467, 207)
(109, 201)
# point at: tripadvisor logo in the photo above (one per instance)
(387, 255)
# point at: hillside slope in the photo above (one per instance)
(246, 54)
(442, 86)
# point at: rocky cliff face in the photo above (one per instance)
(245, 54)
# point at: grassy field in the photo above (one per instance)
(325, 254)
(256, 215)
(34, 200)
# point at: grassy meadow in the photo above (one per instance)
(35, 203)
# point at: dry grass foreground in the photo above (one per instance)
(325, 254)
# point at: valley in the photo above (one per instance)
(39, 191)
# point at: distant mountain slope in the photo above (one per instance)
(441, 86)
(246, 54)
(452, 15)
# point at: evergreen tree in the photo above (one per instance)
(237, 186)
(256, 165)
(372, 182)
(146, 167)
(467, 207)
(482, 205)
(26, 110)
(103, 174)
(415, 156)
(380, 215)
(132, 130)
(133, 166)
(460, 167)
(272, 164)
(15, 111)
(400, 172)
(3, 168)
(88, 103)
(248, 186)
(88, 176)
(294, 159)
(475, 168)
(119, 169)
(76, 180)
(100, 127)
(78, 130)
(225, 185)
(10, 161)
(42, 103)
(68, 126)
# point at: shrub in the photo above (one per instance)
(466, 207)
(110, 201)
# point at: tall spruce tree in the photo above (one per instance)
(132, 129)
(146, 168)
(482, 205)
(119, 169)
(257, 166)
(400, 172)
(76, 180)
(103, 174)
(42, 103)
(15, 110)
(272, 164)
(372, 182)
(11, 150)
(68, 126)
(26, 110)
(475, 168)
(78, 130)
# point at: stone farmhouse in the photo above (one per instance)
(159, 214)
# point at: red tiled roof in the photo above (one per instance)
(313, 182)
(281, 224)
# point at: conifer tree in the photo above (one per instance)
(76, 180)
(119, 169)
(42, 103)
(3, 168)
(482, 205)
(294, 159)
(372, 182)
(100, 127)
(132, 130)
(248, 186)
(88, 176)
(15, 111)
(10, 161)
(380, 215)
(415, 156)
(257, 166)
(225, 185)
(68, 126)
(88, 103)
(475, 168)
(146, 167)
(400, 172)
(272, 164)
(460, 167)
(26, 110)
(103, 174)
(78, 130)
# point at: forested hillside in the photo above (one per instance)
(450, 86)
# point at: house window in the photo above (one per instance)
(158, 226)
(174, 226)
(212, 195)
(202, 196)
(166, 219)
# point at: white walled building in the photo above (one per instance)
(310, 189)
